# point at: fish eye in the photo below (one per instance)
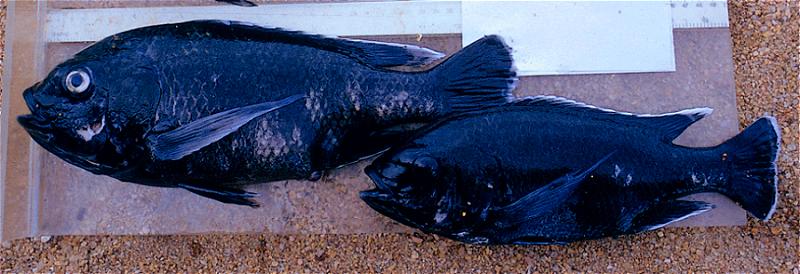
(77, 81)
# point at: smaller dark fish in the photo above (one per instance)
(547, 170)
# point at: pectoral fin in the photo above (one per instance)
(182, 141)
(545, 199)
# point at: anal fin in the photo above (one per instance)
(226, 195)
(666, 213)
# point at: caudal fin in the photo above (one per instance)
(480, 75)
(754, 183)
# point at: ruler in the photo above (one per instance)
(699, 14)
(334, 19)
(352, 18)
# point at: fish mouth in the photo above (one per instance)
(377, 200)
(382, 200)
(378, 175)
(378, 196)
(37, 126)
(41, 131)
(377, 179)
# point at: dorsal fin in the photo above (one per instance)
(671, 125)
(370, 53)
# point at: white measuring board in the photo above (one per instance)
(334, 19)
(576, 48)
(356, 18)
(577, 37)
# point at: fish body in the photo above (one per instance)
(210, 105)
(546, 170)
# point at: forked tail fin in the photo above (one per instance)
(480, 75)
(754, 182)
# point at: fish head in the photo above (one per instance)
(72, 109)
(67, 110)
(410, 190)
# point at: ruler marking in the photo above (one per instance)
(699, 14)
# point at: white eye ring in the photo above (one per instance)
(84, 81)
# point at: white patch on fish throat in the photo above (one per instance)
(694, 179)
(617, 170)
(628, 179)
(88, 132)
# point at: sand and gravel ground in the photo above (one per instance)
(765, 45)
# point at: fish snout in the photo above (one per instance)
(30, 102)
(405, 174)
(37, 125)
(384, 175)
(41, 105)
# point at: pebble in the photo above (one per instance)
(45, 239)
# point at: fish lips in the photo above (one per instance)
(386, 204)
(380, 197)
(379, 181)
(35, 124)
(37, 127)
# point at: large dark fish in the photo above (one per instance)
(210, 105)
(548, 170)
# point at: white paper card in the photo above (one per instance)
(579, 37)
